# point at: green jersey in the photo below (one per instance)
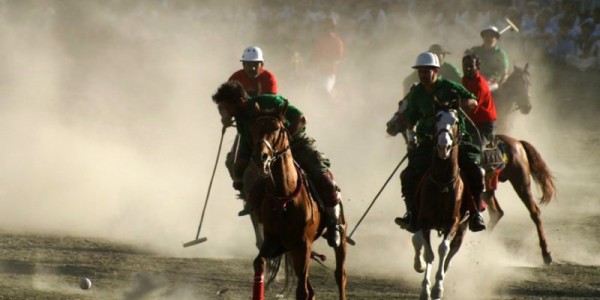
(421, 112)
(494, 62)
(266, 102)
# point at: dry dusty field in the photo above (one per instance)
(108, 142)
(49, 267)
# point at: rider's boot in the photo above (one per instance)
(331, 196)
(408, 220)
(334, 226)
(409, 180)
(476, 222)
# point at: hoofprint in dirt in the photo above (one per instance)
(50, 267)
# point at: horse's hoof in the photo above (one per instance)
(418, 265)
(548, 258)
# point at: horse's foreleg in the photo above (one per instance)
(455, 244)
(443, 250)
(258, 230)
(258, 288)
(301, 261)
(418, 242)
(494, 210)
(426, 283)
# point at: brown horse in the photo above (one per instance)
(523, 162)
(291, 218)
(438, 203)
(514, 94)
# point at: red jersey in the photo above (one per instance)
(485, 111)
(265, 83)
(329, 50)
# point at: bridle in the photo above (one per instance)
(274, 155)
(445, 186)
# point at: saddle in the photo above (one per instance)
(493, 160)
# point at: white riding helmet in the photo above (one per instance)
(252, 53)
(492, 29)
(427, 59)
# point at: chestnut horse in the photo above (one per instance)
(523, 162)
(291, 219)
(438, 202)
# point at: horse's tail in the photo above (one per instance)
(273, 265)
(540, 172)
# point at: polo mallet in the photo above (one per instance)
(203, 239)
(511, 25)
(349, 237)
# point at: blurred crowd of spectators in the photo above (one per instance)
(556, 33)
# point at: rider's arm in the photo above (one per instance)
(468, 105)
(226, 119)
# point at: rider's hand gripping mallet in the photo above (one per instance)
(201, 240)
(349, 237)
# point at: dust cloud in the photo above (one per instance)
(109, 131)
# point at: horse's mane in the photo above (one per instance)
(277, 113)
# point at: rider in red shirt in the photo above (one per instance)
(256, 81)
(484, 116)
(254, 78)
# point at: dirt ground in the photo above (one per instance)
(49, 267)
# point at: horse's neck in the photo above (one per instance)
(285, 174)
(443, 170)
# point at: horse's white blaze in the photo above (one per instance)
(443, 128)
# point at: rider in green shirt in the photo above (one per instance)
(420, 113)
(493, 59)
(447, 70)
(233, 99)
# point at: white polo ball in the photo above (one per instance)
(85, 283)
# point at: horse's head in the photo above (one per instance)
(269, 136)
(446, 125)
(397, 124)
(518, 86)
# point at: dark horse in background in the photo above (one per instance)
(511, 96)
(291, 218)
(439, 202)
(522, 161)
